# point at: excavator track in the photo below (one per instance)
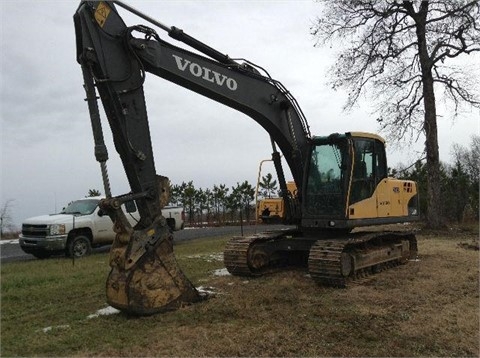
(258, 254)
(235, 256)
(325, 262)
(331, 262)
(338, 263)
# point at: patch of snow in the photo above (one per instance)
(207, 257)
(221, 272)
(104, 312)
(206, 290)
(13, 241)
(48, 329)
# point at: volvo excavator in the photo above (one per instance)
(341, 179)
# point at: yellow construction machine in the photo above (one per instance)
(341, 179)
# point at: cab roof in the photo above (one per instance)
(350, 135)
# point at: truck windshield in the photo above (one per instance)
(82, 207)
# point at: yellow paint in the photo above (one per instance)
(367, 135)
(390, 199)
(101, 13)
(275, 205)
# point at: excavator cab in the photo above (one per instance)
(347, 184)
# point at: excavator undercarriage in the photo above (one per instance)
(330, 261)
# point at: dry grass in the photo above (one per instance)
(425, 308)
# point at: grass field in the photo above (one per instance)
(428, 307)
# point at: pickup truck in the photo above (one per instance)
(79, 227)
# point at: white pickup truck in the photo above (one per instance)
(79, 227)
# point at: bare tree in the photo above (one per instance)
(397, 52)
(6, 217)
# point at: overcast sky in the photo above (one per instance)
(47, 155)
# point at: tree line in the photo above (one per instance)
(459, 183)
(219, 205)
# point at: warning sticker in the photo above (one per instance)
(101, 13)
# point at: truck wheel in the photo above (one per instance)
(171, 223)
(79, 246)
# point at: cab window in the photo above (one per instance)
(325, 179)
(380, 162)
(369, 168)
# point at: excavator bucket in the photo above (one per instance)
(145, 277)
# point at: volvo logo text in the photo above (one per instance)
(205, 73)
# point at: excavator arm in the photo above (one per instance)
(145, 277)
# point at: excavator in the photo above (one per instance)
(341, 179)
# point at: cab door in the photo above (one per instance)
(369, 170)
(382, 186)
